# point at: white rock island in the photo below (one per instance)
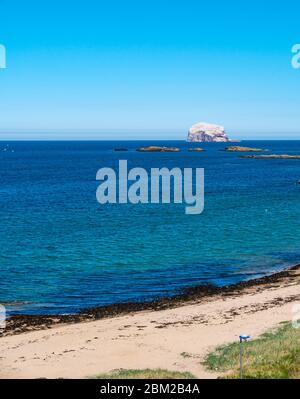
(203, 131)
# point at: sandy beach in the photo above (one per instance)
(174, 336)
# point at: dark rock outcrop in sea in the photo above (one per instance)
(237, 148)
(154, 148)
(272, 156)
(196, 149)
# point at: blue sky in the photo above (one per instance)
(127, 69)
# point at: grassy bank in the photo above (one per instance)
(146, 373)
(276, 354)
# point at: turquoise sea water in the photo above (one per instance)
(61, 251)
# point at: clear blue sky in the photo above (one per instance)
(111, 69)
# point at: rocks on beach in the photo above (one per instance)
(153, 148)
(237, 148)
(207, 132)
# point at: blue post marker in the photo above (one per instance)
(243, 338)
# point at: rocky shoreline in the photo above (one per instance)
(19, 324)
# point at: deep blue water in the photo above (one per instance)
(61, 251)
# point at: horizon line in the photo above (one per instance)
(154, 139)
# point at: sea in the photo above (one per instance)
(61, 251)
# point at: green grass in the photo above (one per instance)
(146, 373)
(275, 354)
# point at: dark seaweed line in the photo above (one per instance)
(17, 324)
